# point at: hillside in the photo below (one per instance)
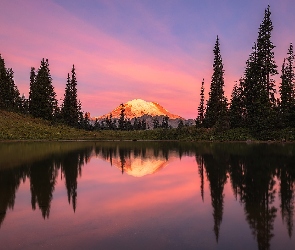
(15, 126)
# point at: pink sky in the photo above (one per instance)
(137, 49)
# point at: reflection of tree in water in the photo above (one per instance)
(200, 162)
(253, 174)
(42, 175)
(9, 183)
(253, 170)
(42, 182)
(71, 166)
(258, 196)
(286, 174)
(236, 170)
(253, 180)
(122, 155)
(216, 169)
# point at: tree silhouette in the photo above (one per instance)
(236, 108)
(287, 104)
(200, 162)
(258, 85)
(9, 94)
(287, 191)
(216, 169)
(42, 182)
(217, 103)
(201, 108)
(10, 180)
(42, 98)
(122, 122)
(70, 108)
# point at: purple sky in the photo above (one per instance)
(154, 50)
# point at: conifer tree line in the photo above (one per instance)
(253, 104)
(42, 102)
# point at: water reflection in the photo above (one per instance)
(257, 173)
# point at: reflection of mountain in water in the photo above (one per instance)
(138, 168)
(252, 170)
(137, 164)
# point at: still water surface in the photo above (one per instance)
(152, 195)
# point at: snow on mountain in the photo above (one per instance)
(139, 108)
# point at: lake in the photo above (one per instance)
(146, 195)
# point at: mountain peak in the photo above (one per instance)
(139, 107)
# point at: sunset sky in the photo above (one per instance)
(155, 50)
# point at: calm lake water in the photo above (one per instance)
(146, 195)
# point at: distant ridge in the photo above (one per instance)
(138, 108)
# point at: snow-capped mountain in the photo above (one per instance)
(139, 108)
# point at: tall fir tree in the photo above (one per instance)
(236, 107)
(258, 84)
(250, 89)
(201, 108)
(286, 89)
(33, 94)
(217, 104)
(42, 98)
(265, 56)
(70, 108)
(122, 121)
(9, 94)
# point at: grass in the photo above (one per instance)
(15, 126)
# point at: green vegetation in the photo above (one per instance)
(16, 126)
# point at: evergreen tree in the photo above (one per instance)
(287, 104)
(143, 124)
(24, 107)
(84, 122)
(156, 123)
(128, 125)
(236, 107)
(9, 94)
(70, 108)
(165, 123)
(201, 108)
(265, 56)
(81, 116)
(250, 89)
(136, 124)
(110, 123)
(122, 122)
(258, 85)
(180, 124)
(42, 99)
(97, 125)
(217, 103)
(33, 94)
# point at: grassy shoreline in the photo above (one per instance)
(19, 127)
